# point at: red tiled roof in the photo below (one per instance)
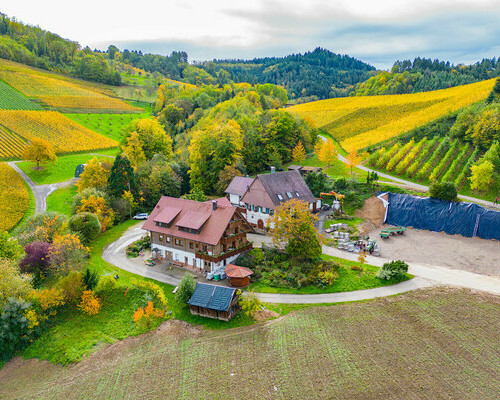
(235, 271)
(193, 220)
(212, 230)
(167, 215)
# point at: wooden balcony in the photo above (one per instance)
(223, 256)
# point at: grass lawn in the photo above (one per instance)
(62, 199)
(337, 169)
(353, 223)
(348, 280)
(63, 169)
(110, 125)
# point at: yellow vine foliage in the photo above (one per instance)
(59, 91)
(64, 134)
(14, 197)
(357, 122)
(90, 304)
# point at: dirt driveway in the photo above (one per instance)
(437, 248)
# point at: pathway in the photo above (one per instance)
(40, 192)
(427, 275)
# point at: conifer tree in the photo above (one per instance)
(122, 178)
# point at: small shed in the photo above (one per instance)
(79, 169)
(212, 301)
(294, 167)
(238, 276)
(307, 169)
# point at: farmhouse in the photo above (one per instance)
(214, 301)
(268, 191)
(202, 235)
(237, 188)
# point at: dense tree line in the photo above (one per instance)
(317, 74)
(39, 48)
(423, 75)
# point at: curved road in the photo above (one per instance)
(426, 275)
(40, 192)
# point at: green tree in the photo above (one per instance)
(445, 191)
(86, 225)
(294, 225)
(393, 269)
(211, 149)
(195, 194)
(15, 333)
(481, 176)
(487, 127)
(185, 289)
(122, 178)
(13, 284)
(153, 137)
(39, 151)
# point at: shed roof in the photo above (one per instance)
(213, 297)
(239, 185)
(294, 167)
(235, 271)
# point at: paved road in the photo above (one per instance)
(426, 275)
(40, 192)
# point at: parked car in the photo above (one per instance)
(141, 216)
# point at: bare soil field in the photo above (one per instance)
(437, 248)
(440, 343)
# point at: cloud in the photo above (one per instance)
(376, 32)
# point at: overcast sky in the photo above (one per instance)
(377, 32)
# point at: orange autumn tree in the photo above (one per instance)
(146, 315)
(90, 304)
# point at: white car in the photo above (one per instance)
(141, 216)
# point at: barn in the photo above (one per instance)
(213, 301)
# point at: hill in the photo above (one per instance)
(357, 122)
(423, 75)
(317, 74)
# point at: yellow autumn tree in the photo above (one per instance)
(39, 151)
(66, 253)
(133, 150)
(294, 228)
(298, 153)
(353, 159)
(327, 152)
(99, 207)
(94, 175)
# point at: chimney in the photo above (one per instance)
(273, 170)
(214, 205)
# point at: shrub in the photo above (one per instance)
(66, 253)
(445, 191)
(393, 269)
(90, 279)
(36, 261)
(152, 287)
(49, 299)
(86, 225)
(185, 289)
(326, 278)
(133, 249)
(249, 304)
(90, 304)
(40, 227)
(106, 284)
(13, 284)
(72, 286)
(9, 247)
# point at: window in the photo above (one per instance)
(280, 197)
(297, 194)
(289, 195)
(191, 245)
(249, 207)
(178, 242)
(161, 238)
(267, 210)
(168, 239)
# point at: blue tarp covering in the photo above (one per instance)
(466, 219)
